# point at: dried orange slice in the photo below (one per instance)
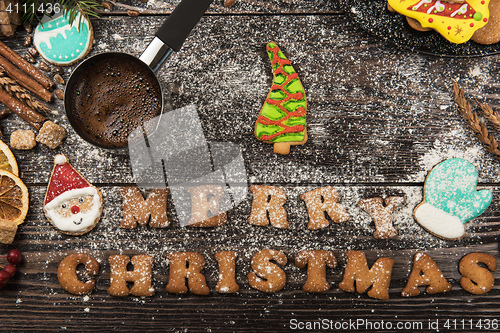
(7, 159)
(14, 198)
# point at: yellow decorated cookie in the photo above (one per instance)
(456, 22)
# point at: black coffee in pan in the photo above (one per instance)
(112, 98)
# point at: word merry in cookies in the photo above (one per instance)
(267, 274)
(267, 208)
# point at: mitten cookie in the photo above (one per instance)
(451, 199)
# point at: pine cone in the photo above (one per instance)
(9, 19)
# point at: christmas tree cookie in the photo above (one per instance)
(62, 43)
(282, 119)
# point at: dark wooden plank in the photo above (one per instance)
(240, 7)
(376, 114)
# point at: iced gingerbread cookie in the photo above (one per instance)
(72, 204)
(282, 119)
(454, 20)
(63, 44)
(451, 199)
(490, 33)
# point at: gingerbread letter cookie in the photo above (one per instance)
(316, 261)
(320, 201)
(66, 273)
(136, 210)
(451, 199)
(282, 119)
(425, 272)
(186, 265)
(382, 216)
(268, 200)
(266, 276)
(72, 204)
(378, 276)
(476, 279)
(205, 208)
(227, 272)
(140, 276)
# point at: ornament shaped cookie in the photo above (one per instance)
(282, 119)
(455, 21)
(72, 204)
(451, 199)
(62, 43)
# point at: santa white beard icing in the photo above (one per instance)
(72, 204)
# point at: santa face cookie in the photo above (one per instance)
(62, 43)
(451, 199)
(72, 204)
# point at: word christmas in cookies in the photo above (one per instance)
(451, 199)
(282, 119)
(133, 275)
(72, 204)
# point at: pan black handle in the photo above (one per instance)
(179, 24)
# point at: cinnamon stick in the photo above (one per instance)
(31, 70)
(24, 80)
(22, 110)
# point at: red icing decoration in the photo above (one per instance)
(449, 28)
(454, 7)
(431, 20)
(64, 178)
(300, 112)
(75, 209)
(471, 25)
(485, 19)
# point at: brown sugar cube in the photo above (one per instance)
(8, 231)
(51, 135)
(22, 139)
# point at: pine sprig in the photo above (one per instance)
(70, 8)
(477, 124)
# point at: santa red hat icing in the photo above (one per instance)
(64, 178)
(72, 204)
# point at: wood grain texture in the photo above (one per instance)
(375, 113)
(247, 7)
(379, 118)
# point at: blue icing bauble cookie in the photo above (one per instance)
(60, 43)
(451, 199)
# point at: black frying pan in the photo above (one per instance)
(110, 94)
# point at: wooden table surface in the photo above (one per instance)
(379, 118)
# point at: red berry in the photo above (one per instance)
(4, 278)
(14, 257)
(10, 269)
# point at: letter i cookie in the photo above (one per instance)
(282, 119)
(451, 199)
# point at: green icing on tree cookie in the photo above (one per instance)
(282, 119)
